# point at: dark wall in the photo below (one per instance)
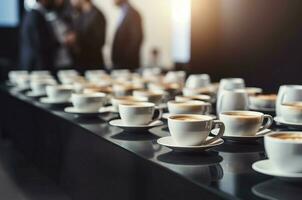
(258, 40)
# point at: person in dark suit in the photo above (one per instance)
(38, 42)
(128, 38)
(89, 36)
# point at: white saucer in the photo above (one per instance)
(169, 142)
(266, 167)
(166, 115)
(74, 110)
(47, 100)
(107, 109)
(290, 124)
(251, 107)
(35, 95)
(258, 135)
(120, 124)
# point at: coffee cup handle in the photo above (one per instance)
(217, 124)
(268, 123)
(160, 113)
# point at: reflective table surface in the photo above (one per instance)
(224, 172)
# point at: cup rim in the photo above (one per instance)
(247, 113)
(203, 118)
(208, 97)
(269, 137)
(187, 103)
(136, 104)
(87, 95)
(132, 98)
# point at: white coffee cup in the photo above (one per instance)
(232, 100)
(292, 112)
(231, 84)
(198, 81)
(153, 97)
(40, 73)
(200, 97)
(263, 101)
(192, 130)
(175, 77)
(22, 82)
(59, 92)
(284, 150)
(13, 75)
(88, 102)
(244, 123)
(197, 91)
(189, 107)
(92, 74)
(39, 86)
(288, 94)
(115, 101)
(138, 113)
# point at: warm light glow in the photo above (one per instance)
(181, 29)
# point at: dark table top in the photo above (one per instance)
(225, 171)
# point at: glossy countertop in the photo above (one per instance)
(225, 171)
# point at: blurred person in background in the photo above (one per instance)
(38, 43)
(61, 21)
(88, 38)
(128, 38)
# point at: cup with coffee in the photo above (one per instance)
(138, 113)
(59, 92)
(90, 102)
(38, 86)
(195, 81)
(229, 100)
(13, 75)
(151, 96)
(284, 150)
(189, 107)
(244, 123)
(193, 130)
(287, 94)
(200, 97)
(231, 84)
(292, 112)
(263, 101)
(115, 101)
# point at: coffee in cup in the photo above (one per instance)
(284, 150)
(292, 112)
(193, 130)
(189, 107)
(244, 123)
(90, 102)
(138, 113)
